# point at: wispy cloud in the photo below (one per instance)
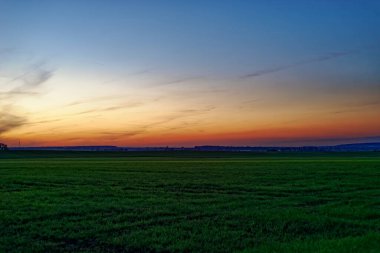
(322, 58)
(25, 84)
(180, 80)
(161, 121)
(33, 78)
(357, 107)
(111, 108)
(113, 135)
(177, 115)
(96, 99)
(8, 95)
(249, 103)
(9, 121)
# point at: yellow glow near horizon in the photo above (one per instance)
(92, 113)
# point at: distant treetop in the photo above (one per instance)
(3, 147)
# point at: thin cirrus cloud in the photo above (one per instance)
(180, 80)
(106, 85)
(26, 84)
(137, 131)
(28, 81)
(111, 108)
(9, 121)
(90, 100)
(164, 120)
(356, 107)
(322, 58)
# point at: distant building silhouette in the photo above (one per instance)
(3, 147)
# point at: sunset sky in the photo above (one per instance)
(184, 73)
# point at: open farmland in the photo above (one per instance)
(189, 202)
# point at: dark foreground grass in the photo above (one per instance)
(189, 202)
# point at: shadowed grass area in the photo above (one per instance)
(189, 202)
(361, 244)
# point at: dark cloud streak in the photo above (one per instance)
(10, 121)
(25, 85)
(179, 80)
(323, 58)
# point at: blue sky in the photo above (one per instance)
(289, 50)
(215, 36)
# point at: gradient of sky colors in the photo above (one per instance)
(183, 73)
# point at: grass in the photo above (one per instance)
(189, 202)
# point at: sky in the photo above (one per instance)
(184, 73)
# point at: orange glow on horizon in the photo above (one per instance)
(327, 132)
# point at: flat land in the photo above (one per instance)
(189, 202)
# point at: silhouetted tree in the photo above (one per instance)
(3, 147)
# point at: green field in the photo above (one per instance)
(189, 202)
